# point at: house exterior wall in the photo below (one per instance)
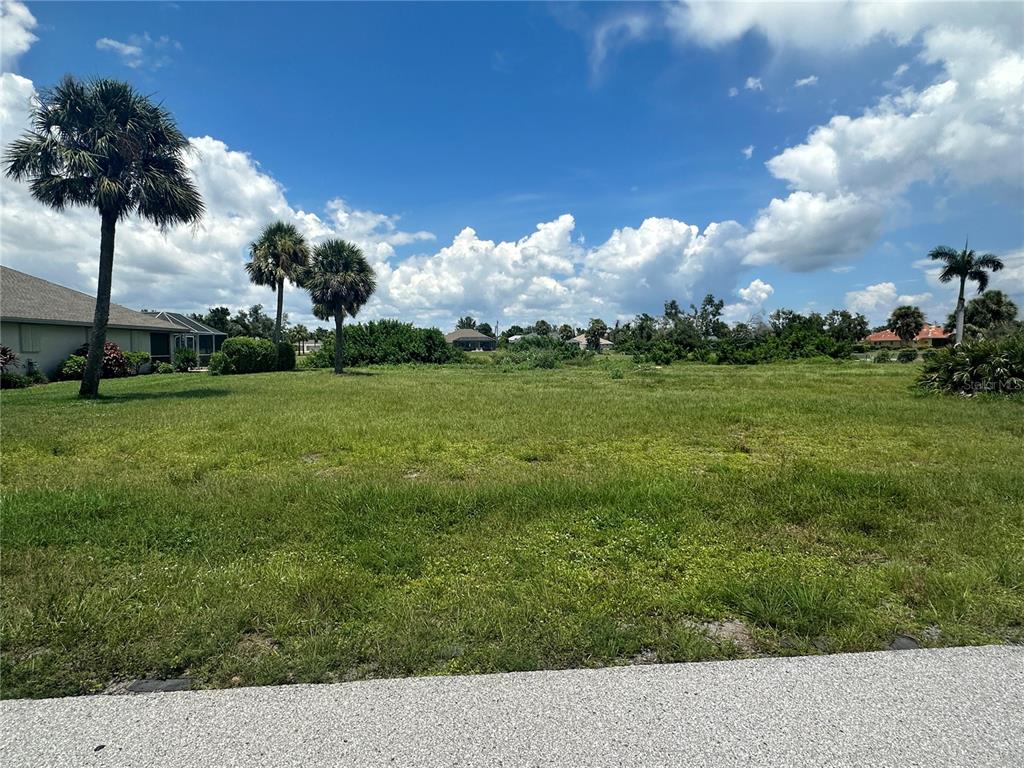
(52, 343)
(48, 345)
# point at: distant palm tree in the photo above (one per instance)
(965, 265)
(906, 322)
(103, 145)
(340, 281)
(279, 254)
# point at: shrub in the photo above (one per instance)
(882, 357)
(136, 360)
(540, 352)
(220, 364)
(7, 358)
(906, 356)
(115, 364)
(995, 365)
(165, 368)
(72, 369)
(184, 359)
(249, 355)
(386, 342)
(10, 380)
(661, 354)
(33, 374)
(285, 356)
(929, 354)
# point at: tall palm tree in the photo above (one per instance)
(340, 281)
(102, 144)
(965, 265)
(279, 254)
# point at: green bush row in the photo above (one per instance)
(386, 342)
(244, 354)
(539, 352)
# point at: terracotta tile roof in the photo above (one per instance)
(932, 332)
(885, 335)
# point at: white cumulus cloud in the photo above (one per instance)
(808, 231)
(833, 26)
(803, 82)
(16, 25)
(878, 301)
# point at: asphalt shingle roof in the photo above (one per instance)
(31, 299)
(467, 333)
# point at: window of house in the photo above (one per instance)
(30, 338)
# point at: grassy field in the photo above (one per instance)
(304, 527)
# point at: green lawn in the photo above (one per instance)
(306, 527)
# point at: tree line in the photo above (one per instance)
(103, 145)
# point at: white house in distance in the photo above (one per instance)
(581, 342)
(45, 323)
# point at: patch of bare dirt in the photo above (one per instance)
(728, 631)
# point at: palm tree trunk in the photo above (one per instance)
(98, 333)
(280, 310)
(960, 311)
(339, 319)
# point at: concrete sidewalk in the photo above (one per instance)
(950, 707)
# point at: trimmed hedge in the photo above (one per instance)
(285, 356)
(386, 342)
(73, 369)
(220, 364)
(249, 355)
(906, 356)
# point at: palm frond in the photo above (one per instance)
(281, 251)
(101, 143)
(339, 277)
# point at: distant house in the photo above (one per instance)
(582, 343)
(192, 335)
(471, 341)
(884, 338)
(45, 322)
(929, 336)
(933, 336)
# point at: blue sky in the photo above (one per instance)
(432, 118)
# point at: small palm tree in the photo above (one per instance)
(340, 281)
(279, 254)
(102, 144)
(965, 265)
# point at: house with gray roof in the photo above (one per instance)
(470, 340)
(193, 335)
(45, 322)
